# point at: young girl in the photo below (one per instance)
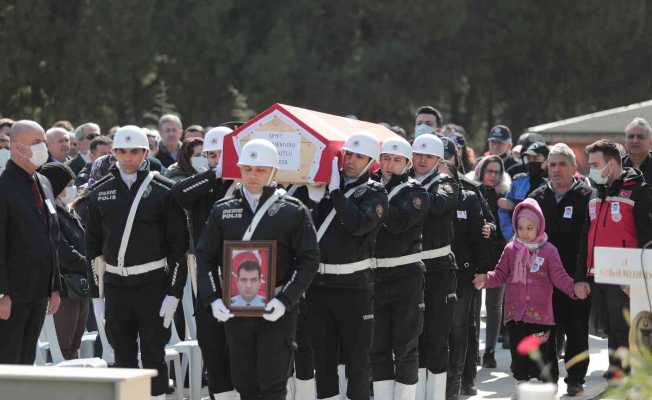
(530, 267)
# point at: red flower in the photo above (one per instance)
(528, 345)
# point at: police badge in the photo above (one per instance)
(417, 203)
(274, 209)
(379, 210)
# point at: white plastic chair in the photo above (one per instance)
(50, 333)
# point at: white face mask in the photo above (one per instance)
(39, 154)
(4, 157)
(69, 194)
(595, 174)
(199, 163)
(422, 129)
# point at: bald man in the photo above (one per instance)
(29, 234)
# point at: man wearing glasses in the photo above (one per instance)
(84, 134)
(638, 142)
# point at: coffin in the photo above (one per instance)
(306, 141)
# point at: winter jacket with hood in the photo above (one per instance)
(530, 271)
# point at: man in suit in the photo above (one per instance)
(29, 236)
(84, 135)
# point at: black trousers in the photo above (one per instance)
(212, 342)
(462, 330)
(19, 334)
(304, 364)
(614, 302)
(398, 314)
(341, 328)
(440, 297)
(572, 319)
(132, 313)
(261, 354)
(523, 367)
(473, 345)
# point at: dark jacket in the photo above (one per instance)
(175, 173)
(496, 241)
(287, 222)
(77, 164)
(72, 249)
(351, 236)
(197, 195)
(513, 166)
(29, 260)
(83, 175)
(645, 167)
(470, 248)
(164, 155)
(565, 220)
(159, 230)
(402, 227)
(438, 232)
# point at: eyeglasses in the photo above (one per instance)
(92, 136)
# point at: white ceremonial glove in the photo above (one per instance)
(220, 312)
(98, 308)
(316, 193)
(334, 183)
(168, 307)
(274, 310)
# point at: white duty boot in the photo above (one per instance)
(305, 389)
(404, 392)
(436, 386)
(384, 390)
(421, 384)
(343, 382)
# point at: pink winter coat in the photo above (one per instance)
(529, 299)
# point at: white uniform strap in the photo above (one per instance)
(398, 188)
(260, 213)
(130, 219)
(329, 218)
(432, 182)
(292, 190)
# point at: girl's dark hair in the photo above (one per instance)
(185, 153)
(486, 161)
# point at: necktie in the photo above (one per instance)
(40, 206)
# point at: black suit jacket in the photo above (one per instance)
(29, 259)
(77, 164)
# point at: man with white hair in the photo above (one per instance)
(171, 130)
(564, 201)
(58, 143)
(29, 238)
(638, 142)
(136, 232)
(84, 135)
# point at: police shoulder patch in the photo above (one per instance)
(417, 202)
(380, 210)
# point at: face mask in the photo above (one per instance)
(39, 154)
(199, 163)
(4, 157)
(423, 129)
(69, 194)
(595, 174)
(534, 169)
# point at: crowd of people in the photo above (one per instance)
(379, 271)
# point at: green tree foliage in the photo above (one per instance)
(481, 62)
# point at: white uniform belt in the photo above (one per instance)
(343, 269)
(396, 261)
(137, 269)
(436, 253)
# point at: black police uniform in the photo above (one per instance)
(340, 299)
(197, 195)
(398, 308)
(29, 259)
(133, 299)
(261, 352)
(472, 254)
(441, 281)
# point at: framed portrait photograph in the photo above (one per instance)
(249, 276)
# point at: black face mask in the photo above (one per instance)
(534, 169)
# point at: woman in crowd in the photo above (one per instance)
(70, 321)
(191, 160)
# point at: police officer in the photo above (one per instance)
(260, 349)
(399, 280)
(197, 195)
(340, 298)
(472, 255)
(441, 281)
(138, 230)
